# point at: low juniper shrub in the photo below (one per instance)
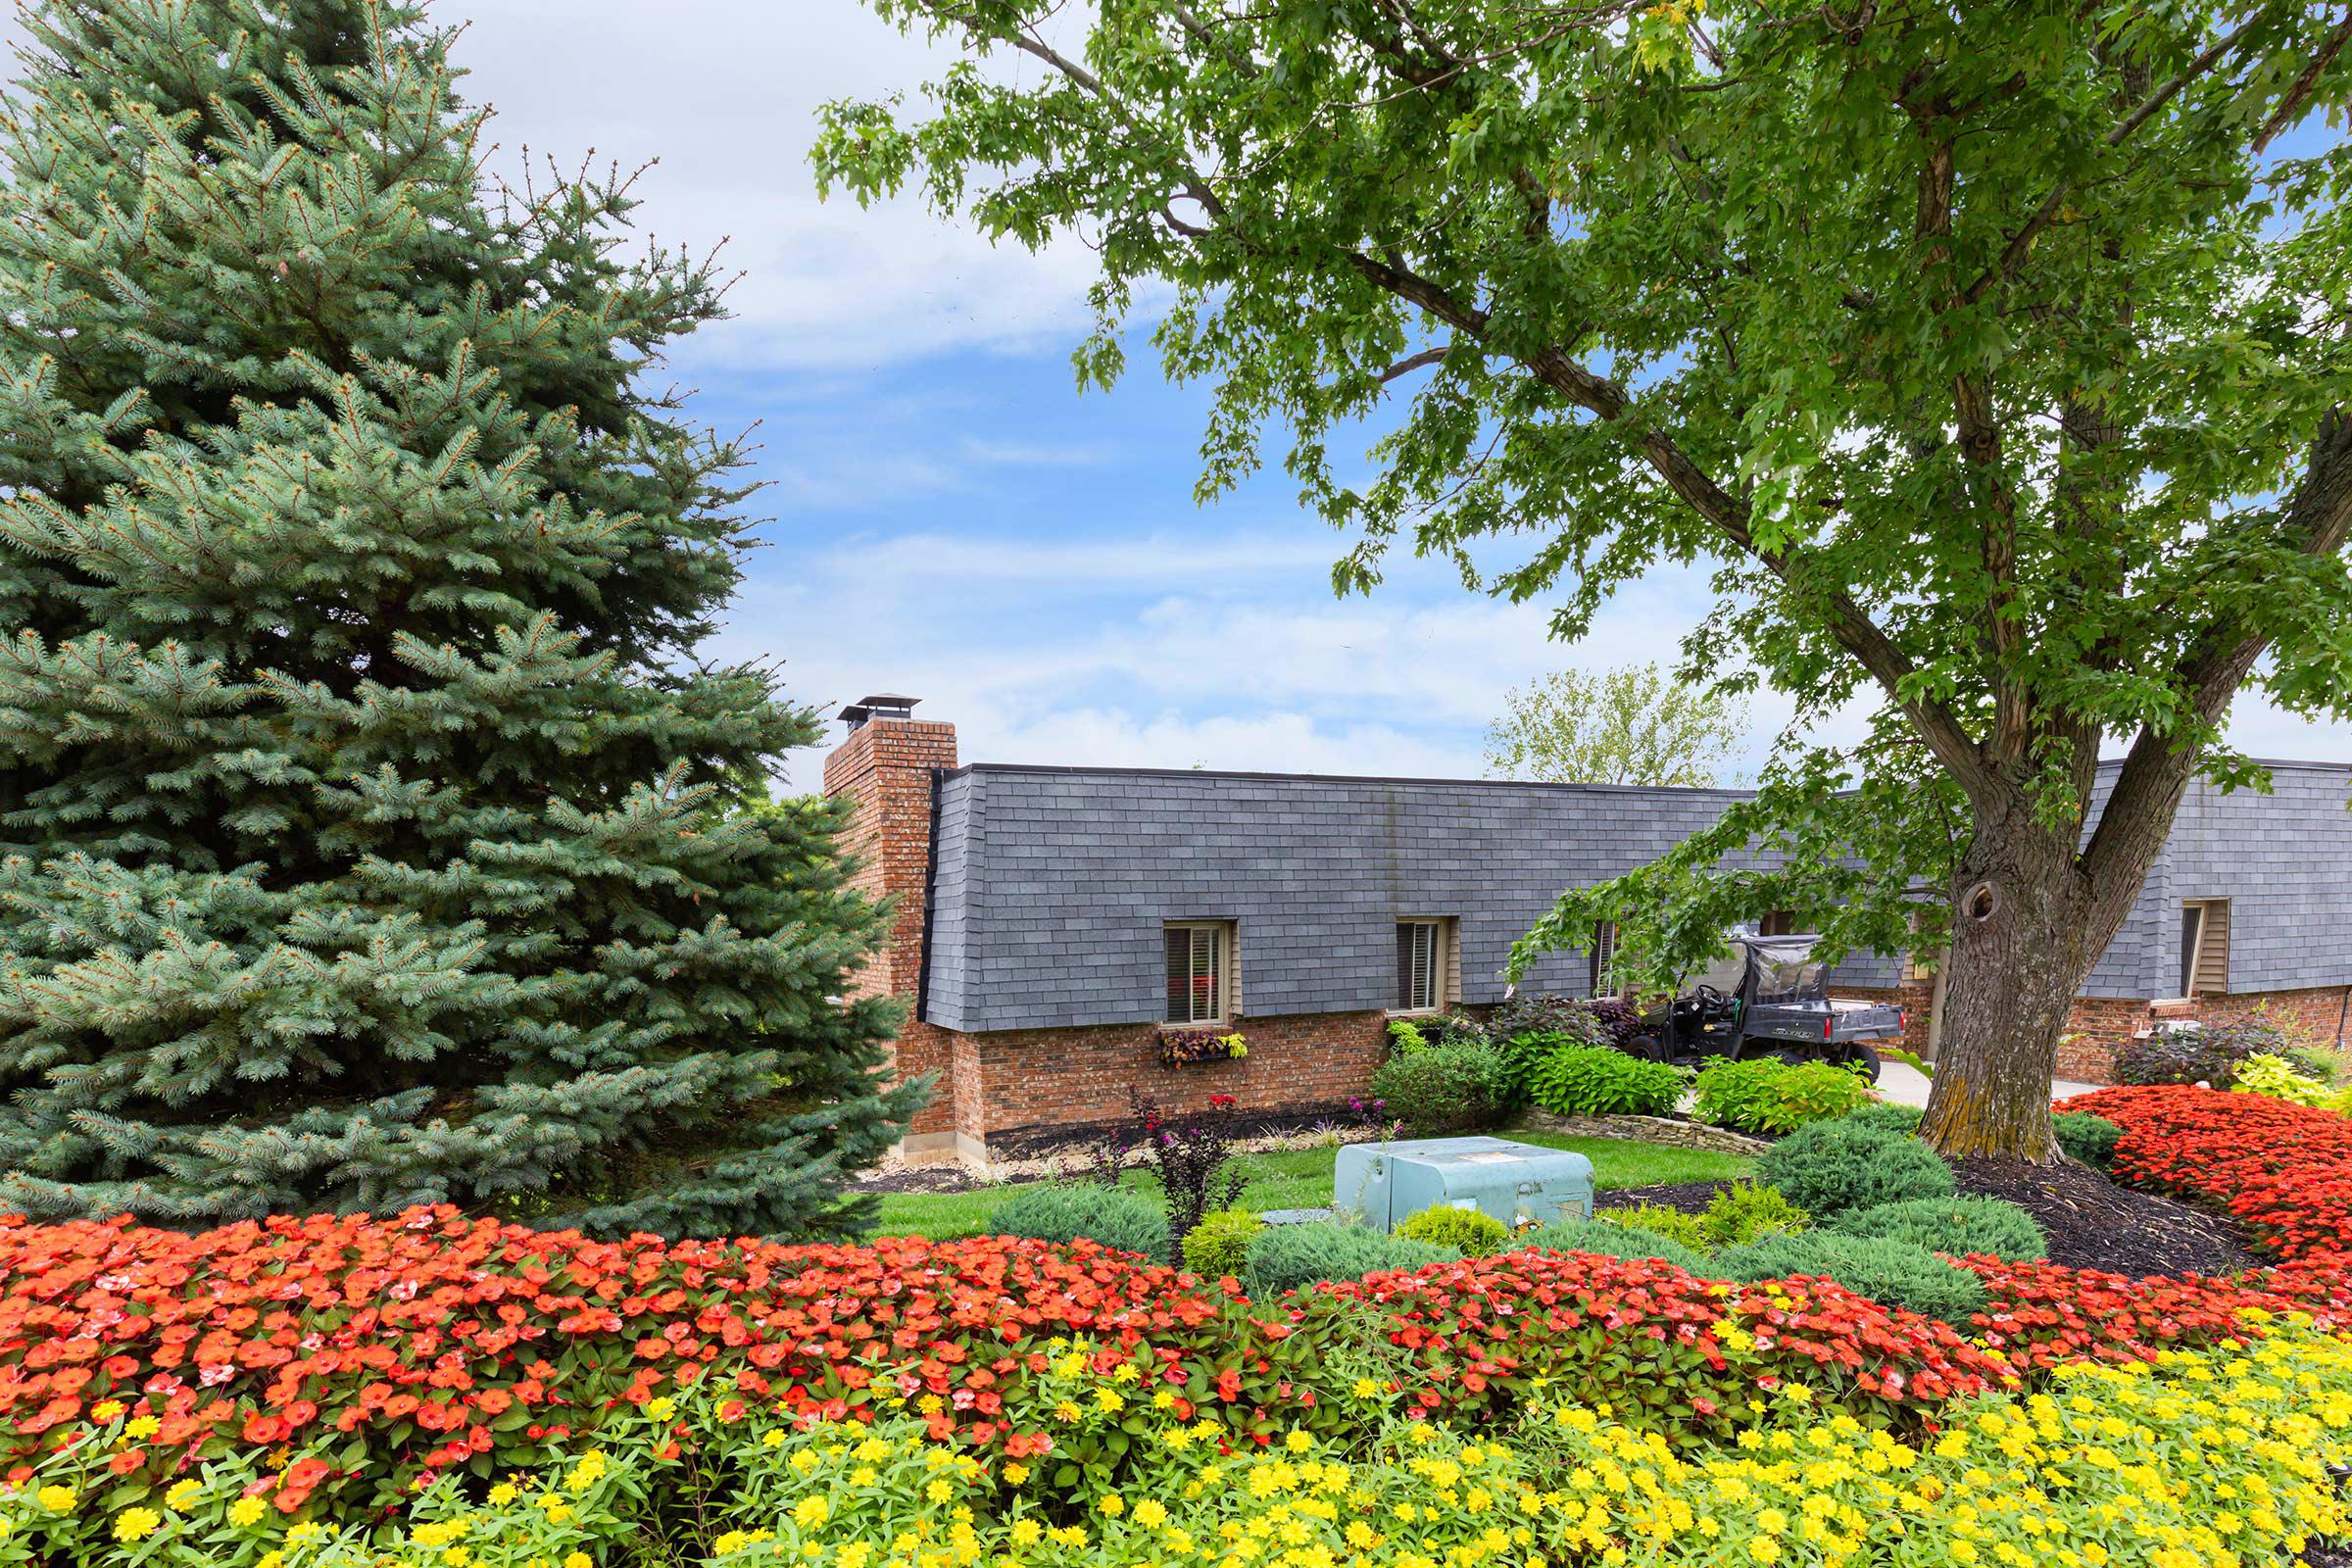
(1615, 1240)
(2087, 1138)
(1596, 1081)
(1885, 1115)
(1827, 1167)
(1104, 1214)
(1889, 1272)
(1468, 1231)
(1285, 1258)
(1958, 1225)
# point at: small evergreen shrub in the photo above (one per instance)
(1111, 1215)
(1616, 1241)
(1889, 1272)
(1449, 1086)
(1763, 1094)
(1884, 1116)
(1468, 1231)
(1594, 1081)
(1955, 1225)
(1219, 1245)
(1745, 1210)
(1285, 1258)
(1688, 1230)
(2087, 1138)
(1828, 1166)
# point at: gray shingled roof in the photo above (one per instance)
(1051, 885)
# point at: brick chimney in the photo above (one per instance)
(886, 764)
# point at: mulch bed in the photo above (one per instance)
(2091, 1222)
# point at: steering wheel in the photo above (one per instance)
(1708, 994)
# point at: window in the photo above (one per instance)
(1605, 959)
(1423, 957)
(1200, 971)
(2204, 946)
(1779, 923)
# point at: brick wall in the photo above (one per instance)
(1037, 1086)
(1917, 999)
(885, 768)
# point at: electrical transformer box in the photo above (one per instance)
(1518, 1183)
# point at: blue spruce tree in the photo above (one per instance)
(367, 834)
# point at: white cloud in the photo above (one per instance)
(1038, 454)
(1152, 560)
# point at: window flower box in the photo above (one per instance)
(1189, 1048)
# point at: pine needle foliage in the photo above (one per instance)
(368, 834)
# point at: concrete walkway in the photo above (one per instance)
(1906, 1085)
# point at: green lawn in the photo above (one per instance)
(1301, 1178)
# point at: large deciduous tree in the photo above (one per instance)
(1636, 725)
(368, 835)
(1995, 357)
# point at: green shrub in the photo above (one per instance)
(1887, 1116)
(1827, 1167)
(1596, 1081)
(1284, 1258)
(2193, 1054)
(1616, 1241)
(1219, 1245)
(1762, 1095)
(1744, 1211)
(1468, 1231)
(1688, 1230)
(1446, 1086)
(1955, 1225)
(1892, 1273)
(1522, 1053)
(1107, 1214)
(2087, 1138)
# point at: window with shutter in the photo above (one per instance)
(1199, 957)
(1420, 965)
(2204, 947)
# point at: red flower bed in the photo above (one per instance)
(2043, 1313)
(2285, 1169)
(431, 1339)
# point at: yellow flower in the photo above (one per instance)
(579, 1559)
(246, 1511)
(142, 1426)
(1299, 1443)
(106, 1409)
(1112, 1506)
(503, 1494)
(57, 1499)
(182, 1493)
(136, 1524)
(1015, 1473)
(1151, 1513)
(810, 1511)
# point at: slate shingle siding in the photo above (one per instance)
(1050, 885)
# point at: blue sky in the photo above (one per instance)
(951, 517)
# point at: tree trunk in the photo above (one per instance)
(2025, 930)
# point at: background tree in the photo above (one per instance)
(1634, 724)
(365, 833)
(1995, 357)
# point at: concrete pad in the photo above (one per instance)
(1906, 1085)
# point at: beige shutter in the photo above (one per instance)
(2212, 949)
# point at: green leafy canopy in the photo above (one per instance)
(1992, 356)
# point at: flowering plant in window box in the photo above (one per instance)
(1182, 1048)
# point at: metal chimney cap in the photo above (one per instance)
(882, 705)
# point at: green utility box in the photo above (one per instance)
(1518, 1183)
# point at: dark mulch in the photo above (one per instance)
(1688, 1196)
(2093, 1224)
